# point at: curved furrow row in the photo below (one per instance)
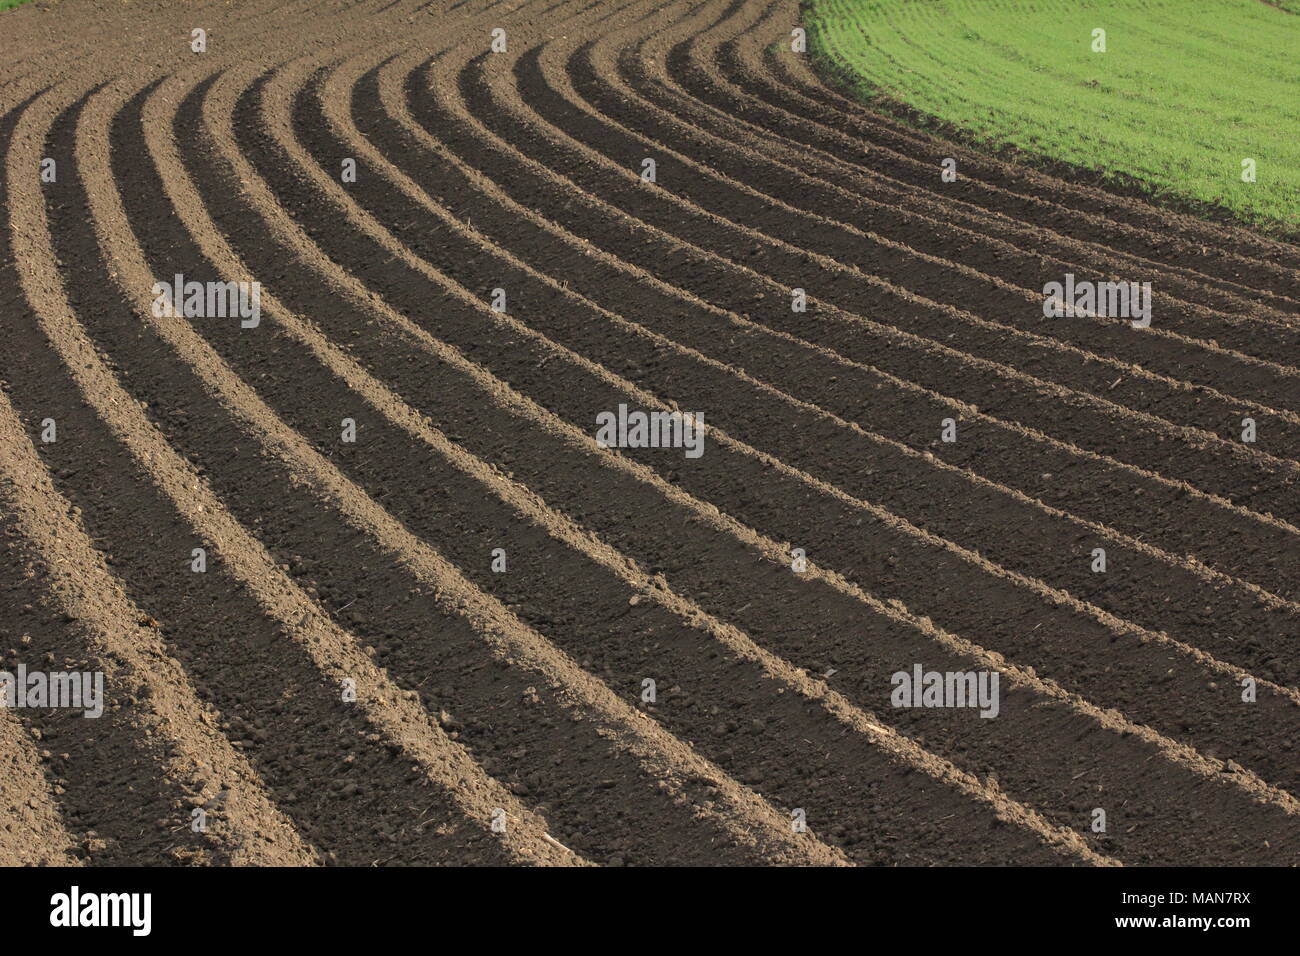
(1284, 390)
(746, 820)
(696, 664)
(422, 164)
(1088, 487)
(376, 790)
(906, 422)
(677, 72)
(1187, 452)
(695, 77)
(155, 716)
(451, 191)
(1135, 441)
(371, 756)
(287, 608)
(352, 256)
(627, 134)
(628, 85)
(389, 789)
(424, 230)
(365, 584)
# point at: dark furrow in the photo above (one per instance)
(292, 724)
(1269, 480)
(524, 744)
(423, 377)
(566, 596)
(480, 688)
(947, 275)
(128, 781)
(677, 71)
(515, 176)
(289, 190)
(587, 274)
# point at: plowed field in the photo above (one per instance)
(431, 643)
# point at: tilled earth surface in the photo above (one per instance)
(355, 680)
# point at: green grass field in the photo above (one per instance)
(1185, 91)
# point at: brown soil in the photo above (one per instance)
(518, 696)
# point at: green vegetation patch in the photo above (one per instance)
(1175, 94)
